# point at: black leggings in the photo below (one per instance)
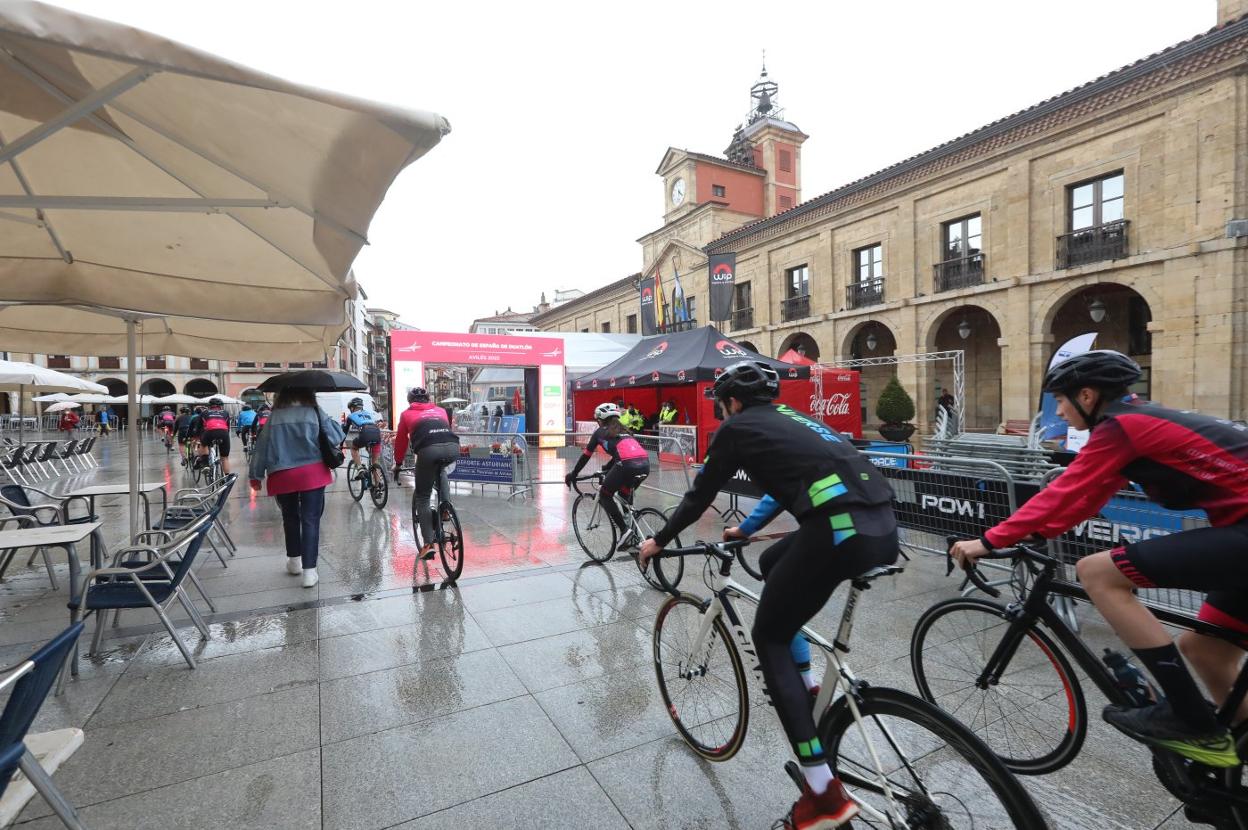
(431, 463)
(621, 478)
(801, 572)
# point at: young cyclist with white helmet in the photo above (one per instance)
(628, 466)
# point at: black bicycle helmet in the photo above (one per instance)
(355, 403)
(215, 402)
(1098, 369)
(748, 382)
(417, 394)
(246, 407)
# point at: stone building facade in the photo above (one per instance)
(1112, 208)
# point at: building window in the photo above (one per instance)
(109, 362)
(961, 245)
(156, 362)
(630, 323)
(58, 361)
(584, 331)
(272, 365)
(198, 364)
(868, 288)
(742, 306)
(606, 328)
(1096, 229)
(319, 364)
(719, 190)
(691, 308)
(785, 203)
(296, 365)
(786, 161)
(246, 364)
(796, 303)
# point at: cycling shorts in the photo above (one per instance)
(1209, 559)
(368, 436)
(220, 437)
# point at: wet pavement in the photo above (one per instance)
(523, 696)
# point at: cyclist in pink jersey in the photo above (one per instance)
(629, 465)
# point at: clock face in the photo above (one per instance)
(678, 192)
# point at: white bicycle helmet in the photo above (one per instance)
(605, 411)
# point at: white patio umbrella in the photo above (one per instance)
(176, 398)
(55, 397)
(61, 406)
(16, 376)
(86, 397)
(143, 182)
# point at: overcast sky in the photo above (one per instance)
(560, 112)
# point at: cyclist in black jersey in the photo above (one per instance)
(846, 527)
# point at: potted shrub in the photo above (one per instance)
(895, 409)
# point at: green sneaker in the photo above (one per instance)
(1159, 726)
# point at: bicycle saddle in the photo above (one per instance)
(863, 580)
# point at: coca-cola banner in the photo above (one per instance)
(648, 325)
(723, 274)
(833, 397)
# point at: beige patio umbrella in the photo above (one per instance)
(150, 182)
(16, 376)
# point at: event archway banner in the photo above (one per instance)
(412, 351)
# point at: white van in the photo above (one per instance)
(334, 404)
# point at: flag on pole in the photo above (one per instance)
(660, 307)
(680, 314)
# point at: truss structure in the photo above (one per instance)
(957, 357)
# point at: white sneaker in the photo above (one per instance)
(294, 565)
(309, 577)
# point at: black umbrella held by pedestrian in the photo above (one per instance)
(317, 380)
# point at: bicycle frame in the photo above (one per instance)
(1036, 608)
(837, 676)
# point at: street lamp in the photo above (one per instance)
(1096, 310)
(871, 341)
(964, 329)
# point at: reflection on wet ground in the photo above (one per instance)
(522, 696)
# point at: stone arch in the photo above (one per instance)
(157, 388)
(1125, 314)
(1051, 303)
(975, 330)
(871, 338)
(252, 397)
(200, 388)
(746, 344)
(801, 342)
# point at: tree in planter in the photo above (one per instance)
(895, 409)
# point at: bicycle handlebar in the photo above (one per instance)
(595, 475)
(725, 552)
(1015, 552)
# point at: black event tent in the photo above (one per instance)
(682, 357)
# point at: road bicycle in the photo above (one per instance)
(996, 668)
(904, 761)
(447, 532)
(248, 442)
(368, 476)
(598, 536)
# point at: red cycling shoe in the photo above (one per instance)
(825, 811)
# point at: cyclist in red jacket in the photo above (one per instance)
(1183, 460)
(425, 427)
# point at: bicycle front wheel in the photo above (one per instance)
(703, 684)
(354, 482)
(593, 527)
(450, 542)
(664, 574)
(932, 771)
(1034, 718)
(378, 487)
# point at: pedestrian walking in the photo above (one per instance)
(102, 418)
(288, 453)
(946, 402)
(68, 422)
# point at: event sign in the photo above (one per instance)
(412, 351)
(722, 270)
(649, 325)
(497, 469)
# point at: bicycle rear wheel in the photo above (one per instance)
(450, 541)
(1034, 718)
(593, 527)
(938, 773)
(651, 521)
(706, 693)
(378, 487)
(355, 484)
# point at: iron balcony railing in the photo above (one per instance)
(1095, 244)
(865, 293)
(742, 318)
(683, 325)
(960, 273)
(795, 308)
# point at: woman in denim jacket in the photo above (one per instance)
(288, 453)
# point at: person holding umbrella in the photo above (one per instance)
(288, 453)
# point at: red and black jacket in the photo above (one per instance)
(1183, 460)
